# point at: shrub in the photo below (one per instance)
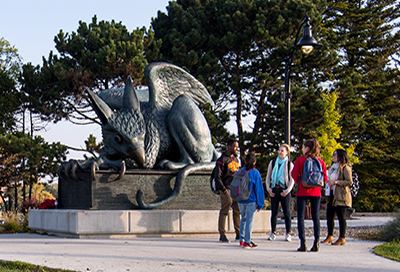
(31, 203)
(11, 222)
(391, 231)
(15, 222)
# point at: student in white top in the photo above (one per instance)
(279, 186)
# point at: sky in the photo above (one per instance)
(30, 26)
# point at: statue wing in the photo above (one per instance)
(166, 82)
(114, 97)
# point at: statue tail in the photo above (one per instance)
(180, 179)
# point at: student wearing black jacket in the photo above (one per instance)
(226, 167)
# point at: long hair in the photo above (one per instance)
(342, 156)
(313, 147)
(250, 161)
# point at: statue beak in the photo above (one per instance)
(138, 155)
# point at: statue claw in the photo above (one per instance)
(122, 171)
(69, 170)
(66, 169)
(93, 169)
(73, 171)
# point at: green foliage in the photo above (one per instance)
(237, 48)
(13, 222)
(389, 250)
(27, 159)
(92, 147)
(391, 230)
(9, 98)
(6, 266)
(41, 158)
(10, 61)
(98, 55)
(367, 82)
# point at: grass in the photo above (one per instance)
(391, 234)
(389, 250)
(6, 266)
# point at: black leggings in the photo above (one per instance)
(340, 211)
(285, 202)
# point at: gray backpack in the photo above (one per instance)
(240, 186)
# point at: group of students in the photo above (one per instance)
(281, 177)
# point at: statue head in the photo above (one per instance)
(123, 130)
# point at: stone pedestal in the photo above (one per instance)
(106, 208)
(136, 223)
(106, 194)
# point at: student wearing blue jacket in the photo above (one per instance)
(255, 203)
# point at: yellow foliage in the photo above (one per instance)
(330, 130)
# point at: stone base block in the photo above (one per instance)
(105, 193)
(135, 223)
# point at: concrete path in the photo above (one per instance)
(191, 254)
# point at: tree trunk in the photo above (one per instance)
(30, 191)
(16, 197)
(4, 203)
(239, 122)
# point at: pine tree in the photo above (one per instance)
(237, 49)
(367, 79)
(99, 55)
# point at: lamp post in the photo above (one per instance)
(307, 43)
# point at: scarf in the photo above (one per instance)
(333, 174)
(278, 173)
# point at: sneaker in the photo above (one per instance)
(288, 237)
(237, 238)
(223, 239)
(241, 243)
(246, 246)
(251, 245)
(272, 237)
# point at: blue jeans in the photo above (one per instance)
(315, 202)
(247, 212)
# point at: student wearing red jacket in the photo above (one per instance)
(311, 148)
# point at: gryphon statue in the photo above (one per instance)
(166, 130)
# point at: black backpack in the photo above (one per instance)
(213, 184)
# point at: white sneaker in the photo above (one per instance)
(288, 237)
(272, 237)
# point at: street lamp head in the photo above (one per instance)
(307, 43)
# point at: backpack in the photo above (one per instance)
(312, 174)
(240, 186)
(213, 184)
(356, 184)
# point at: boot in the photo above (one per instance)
(329, 239)
(339, 242)
(315, 247)
(303, 246)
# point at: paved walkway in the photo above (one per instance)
(193, 254)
